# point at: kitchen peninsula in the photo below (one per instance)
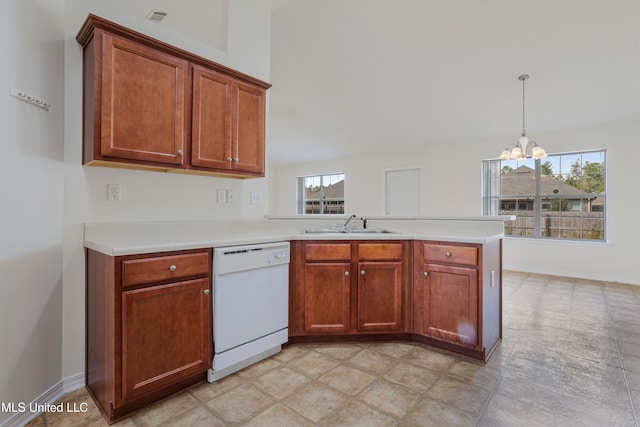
(435, 281)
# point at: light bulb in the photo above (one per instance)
(516, 153)
(505, 155)
(538, 152)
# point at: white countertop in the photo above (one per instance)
(137, 238)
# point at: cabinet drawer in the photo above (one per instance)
(379, 251)
(467, 255)
(327, 252)
(147, 270)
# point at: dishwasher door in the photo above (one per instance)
(249, 305)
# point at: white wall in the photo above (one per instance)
(32, 41)
(452, 186)
(146, 196)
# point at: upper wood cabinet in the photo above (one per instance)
(153, 106)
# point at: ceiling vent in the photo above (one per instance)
(156, 15)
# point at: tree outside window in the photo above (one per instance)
(561, 196)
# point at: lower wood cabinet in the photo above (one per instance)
(448, 295)
(457, 298)
(149, 326)
(349, 287)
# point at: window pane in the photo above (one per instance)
(322, 194)
(569, 188)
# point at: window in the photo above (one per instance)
(321, 194)
(561, 196)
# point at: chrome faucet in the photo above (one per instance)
(348, 221)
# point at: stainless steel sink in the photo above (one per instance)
(339, 231)
(371, 231)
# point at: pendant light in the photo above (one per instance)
(524, 147)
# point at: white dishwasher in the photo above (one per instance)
(250, 305)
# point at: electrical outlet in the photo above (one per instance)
(222, 196)
(114, 192)
(229, 196)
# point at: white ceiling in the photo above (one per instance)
(351, 76)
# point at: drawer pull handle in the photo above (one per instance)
(426, 273)
(346, 273)
(363, 272)
(448, 253)
(173, 268)
(206, 291)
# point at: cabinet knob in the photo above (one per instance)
(363, 272)
(180, 152)
(426, 273)
(448, 253)
(346, 273)
(172, 268)
(237, 160)
(229, 159)
(206, 291)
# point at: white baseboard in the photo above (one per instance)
(64, 386)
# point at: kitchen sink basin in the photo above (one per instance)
(371, 231)
(339, 231)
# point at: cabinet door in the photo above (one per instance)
(143, 103)
(211, 119)
(380, 296)
(327, 297)
(248, 128)
(166, 335)
(446, 304)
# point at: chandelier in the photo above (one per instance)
(524, 147)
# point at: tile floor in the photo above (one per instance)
(570, 357)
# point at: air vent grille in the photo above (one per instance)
(156, 15)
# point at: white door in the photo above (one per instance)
(402, 192)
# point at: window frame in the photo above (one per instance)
(301, 201)
(493, 200)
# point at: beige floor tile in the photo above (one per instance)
(412, 377)
(208, 391)
(36, 422)
(429, 412)
(79, 401)
(475, 373)
(355, 414)
(347, 380)
(258, 369)
(165, 410)
(431, 359)
(396, 350)
(340, 351)
(240, 404)
(315, 401)
(290, 353)
(281, 382)
(198, 417)
(278, 416)
(313, 364)
(570, 356)
(460, 395)
(389, 398)
(372, 362)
